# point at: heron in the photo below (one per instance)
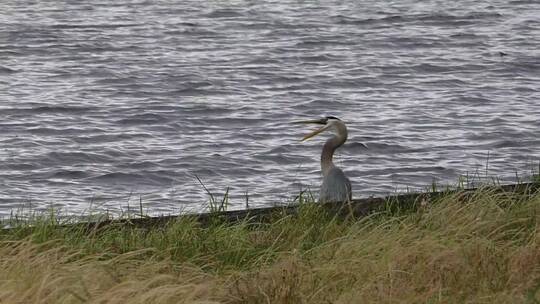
(335, 187)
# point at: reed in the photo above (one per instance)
(482, 247)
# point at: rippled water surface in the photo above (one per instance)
(105, 103)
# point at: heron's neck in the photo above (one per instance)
(329, 147)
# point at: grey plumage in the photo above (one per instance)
(336, 187)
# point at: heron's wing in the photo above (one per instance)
(336, 187)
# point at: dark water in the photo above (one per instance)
(105, 103)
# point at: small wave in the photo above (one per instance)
(316, 58)
(358, 147)
(193, 31)
(75, 157)
(20, 166)
(61, 109)
(505, 144)
(440, 19)
(194, 92)
(520, 2)
(431, 68)
(62, 131)
(315, 44)
(224, 13)
(445, 19)
(188, 23)
(526, 66)
(6, 70)
(385, 171)
(448, 82)
(142, 178)
(111, 79)
(105, 138)
(280, 149)
(282, 158)
(355, 145)
(466, 36)
(143, 119)
(234, 121)
(340, 19)
(208, 110)
(350, 83)
(69, 174)
(92, 26)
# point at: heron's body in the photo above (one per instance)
(335, 186)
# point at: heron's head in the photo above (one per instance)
(327, 123)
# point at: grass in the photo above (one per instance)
(480, 248)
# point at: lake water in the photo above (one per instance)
(110, 103)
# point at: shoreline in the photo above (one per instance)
(357, 208)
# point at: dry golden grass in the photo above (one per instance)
(483, 248)
(50, 273)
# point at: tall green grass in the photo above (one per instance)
(478, 248)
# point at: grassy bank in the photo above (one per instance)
(480, 248)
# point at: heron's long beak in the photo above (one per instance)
(313, 121)
(312, 134)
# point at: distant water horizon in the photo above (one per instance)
(109, 104)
